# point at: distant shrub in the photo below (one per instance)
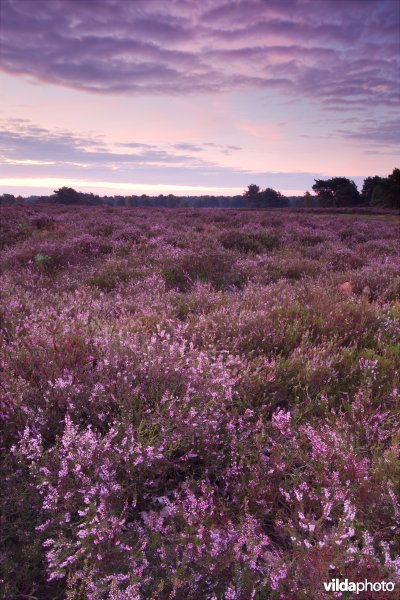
(312, 239)
(102, 229)
(247, 241)
(292, 268)
(342, 259)
(43, 260)
(87, 245)
(127, 234)
(350, 235)
(217, 268)
(113, 272)
(42, 221)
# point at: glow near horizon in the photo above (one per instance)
(107, 186)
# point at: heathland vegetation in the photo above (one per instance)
(198, 404)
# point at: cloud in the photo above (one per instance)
(186, 146)
(372, 136)
(202, 147)
(21, 141)
(341, 53)
(30, 152)
(378, 135)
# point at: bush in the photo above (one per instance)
(42, 260)
(214, 267)
(254, 242)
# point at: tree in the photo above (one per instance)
(338, 191)
(252, 196)
(387, 193)
(394, 189)
(256, 198)
(7, 199)
(66, 195)
(272, 198)
(308, 199)
(370, 183)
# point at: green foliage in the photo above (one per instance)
(43, 260)
(308, 199)
(386, 192)
(268, 198)
(252, 195)
(7, 199)
(66, 195)
(215, 267)
(370, 183)
(249, 242)
(336, 192)
(113, 272)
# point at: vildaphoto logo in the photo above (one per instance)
(336, 585)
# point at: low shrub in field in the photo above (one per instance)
(249, 241)
(213, 266)
(197, 404)
(60, 254)
(115, 271)
(42, 260)
(291, 267)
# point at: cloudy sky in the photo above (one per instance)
(183, 96)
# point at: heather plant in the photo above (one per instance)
(249, 241)
(198, 403)
(42, 260)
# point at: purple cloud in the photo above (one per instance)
(22, 141)
(341, 53)
(383, 134)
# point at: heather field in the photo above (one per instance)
(198, 404)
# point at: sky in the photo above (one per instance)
(187, 97)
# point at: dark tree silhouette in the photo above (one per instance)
(252, 196)
(308, 199)
(387, 193)
(66, 195)
(7, 199)
(337, 192)
(272, 198)
(370, 183)
(256, 198)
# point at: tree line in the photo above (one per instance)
(337, 192)
(376, 191)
